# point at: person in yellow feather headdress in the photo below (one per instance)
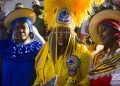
(62, 61)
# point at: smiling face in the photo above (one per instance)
(63, 34)
(21, 31)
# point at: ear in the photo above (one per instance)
(31, 35)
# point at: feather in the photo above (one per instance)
(78, 8)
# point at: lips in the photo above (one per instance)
(60, 40)
(20, 34)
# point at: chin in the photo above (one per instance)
(107, 45)
(21, 39)
(61, 44)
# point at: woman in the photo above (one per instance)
(35, 31)
(19, 53)
(105, 63)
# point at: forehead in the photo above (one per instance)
(103, 28)
(63, 29)
(21, 23)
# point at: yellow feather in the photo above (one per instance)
(79, 9)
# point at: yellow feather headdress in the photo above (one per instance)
(78, 10)
(66, 13)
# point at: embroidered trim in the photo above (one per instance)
(12, 50)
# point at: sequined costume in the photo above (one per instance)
(102, 68)
(17, 55)
(18, 61)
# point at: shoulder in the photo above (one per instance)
(99, 49)
(42, 53)
(82, 47)
(6, 42)
(83, 53)
(36, 44)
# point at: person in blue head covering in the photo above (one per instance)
(18, 54)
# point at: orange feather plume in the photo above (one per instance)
(79, 9)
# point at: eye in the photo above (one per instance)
(20, 27)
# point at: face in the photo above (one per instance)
(37, 9)
(63, 35)
(21, 31)
(107, 35)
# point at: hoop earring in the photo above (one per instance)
(31, 35)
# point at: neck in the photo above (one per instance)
(61, 50)
(28, 40)
(113, 48)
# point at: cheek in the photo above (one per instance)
(67, 36)
(27, 32)
(16, 34)
(108, 38)
(64, 36)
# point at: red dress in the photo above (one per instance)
(101, 81)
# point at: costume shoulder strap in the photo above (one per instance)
(107, 66)
(42, 55)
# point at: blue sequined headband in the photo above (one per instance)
(24, 19)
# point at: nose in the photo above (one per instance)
(20, 29)
(60, 34)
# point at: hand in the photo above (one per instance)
(71, 82)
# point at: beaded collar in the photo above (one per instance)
(16, 51)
